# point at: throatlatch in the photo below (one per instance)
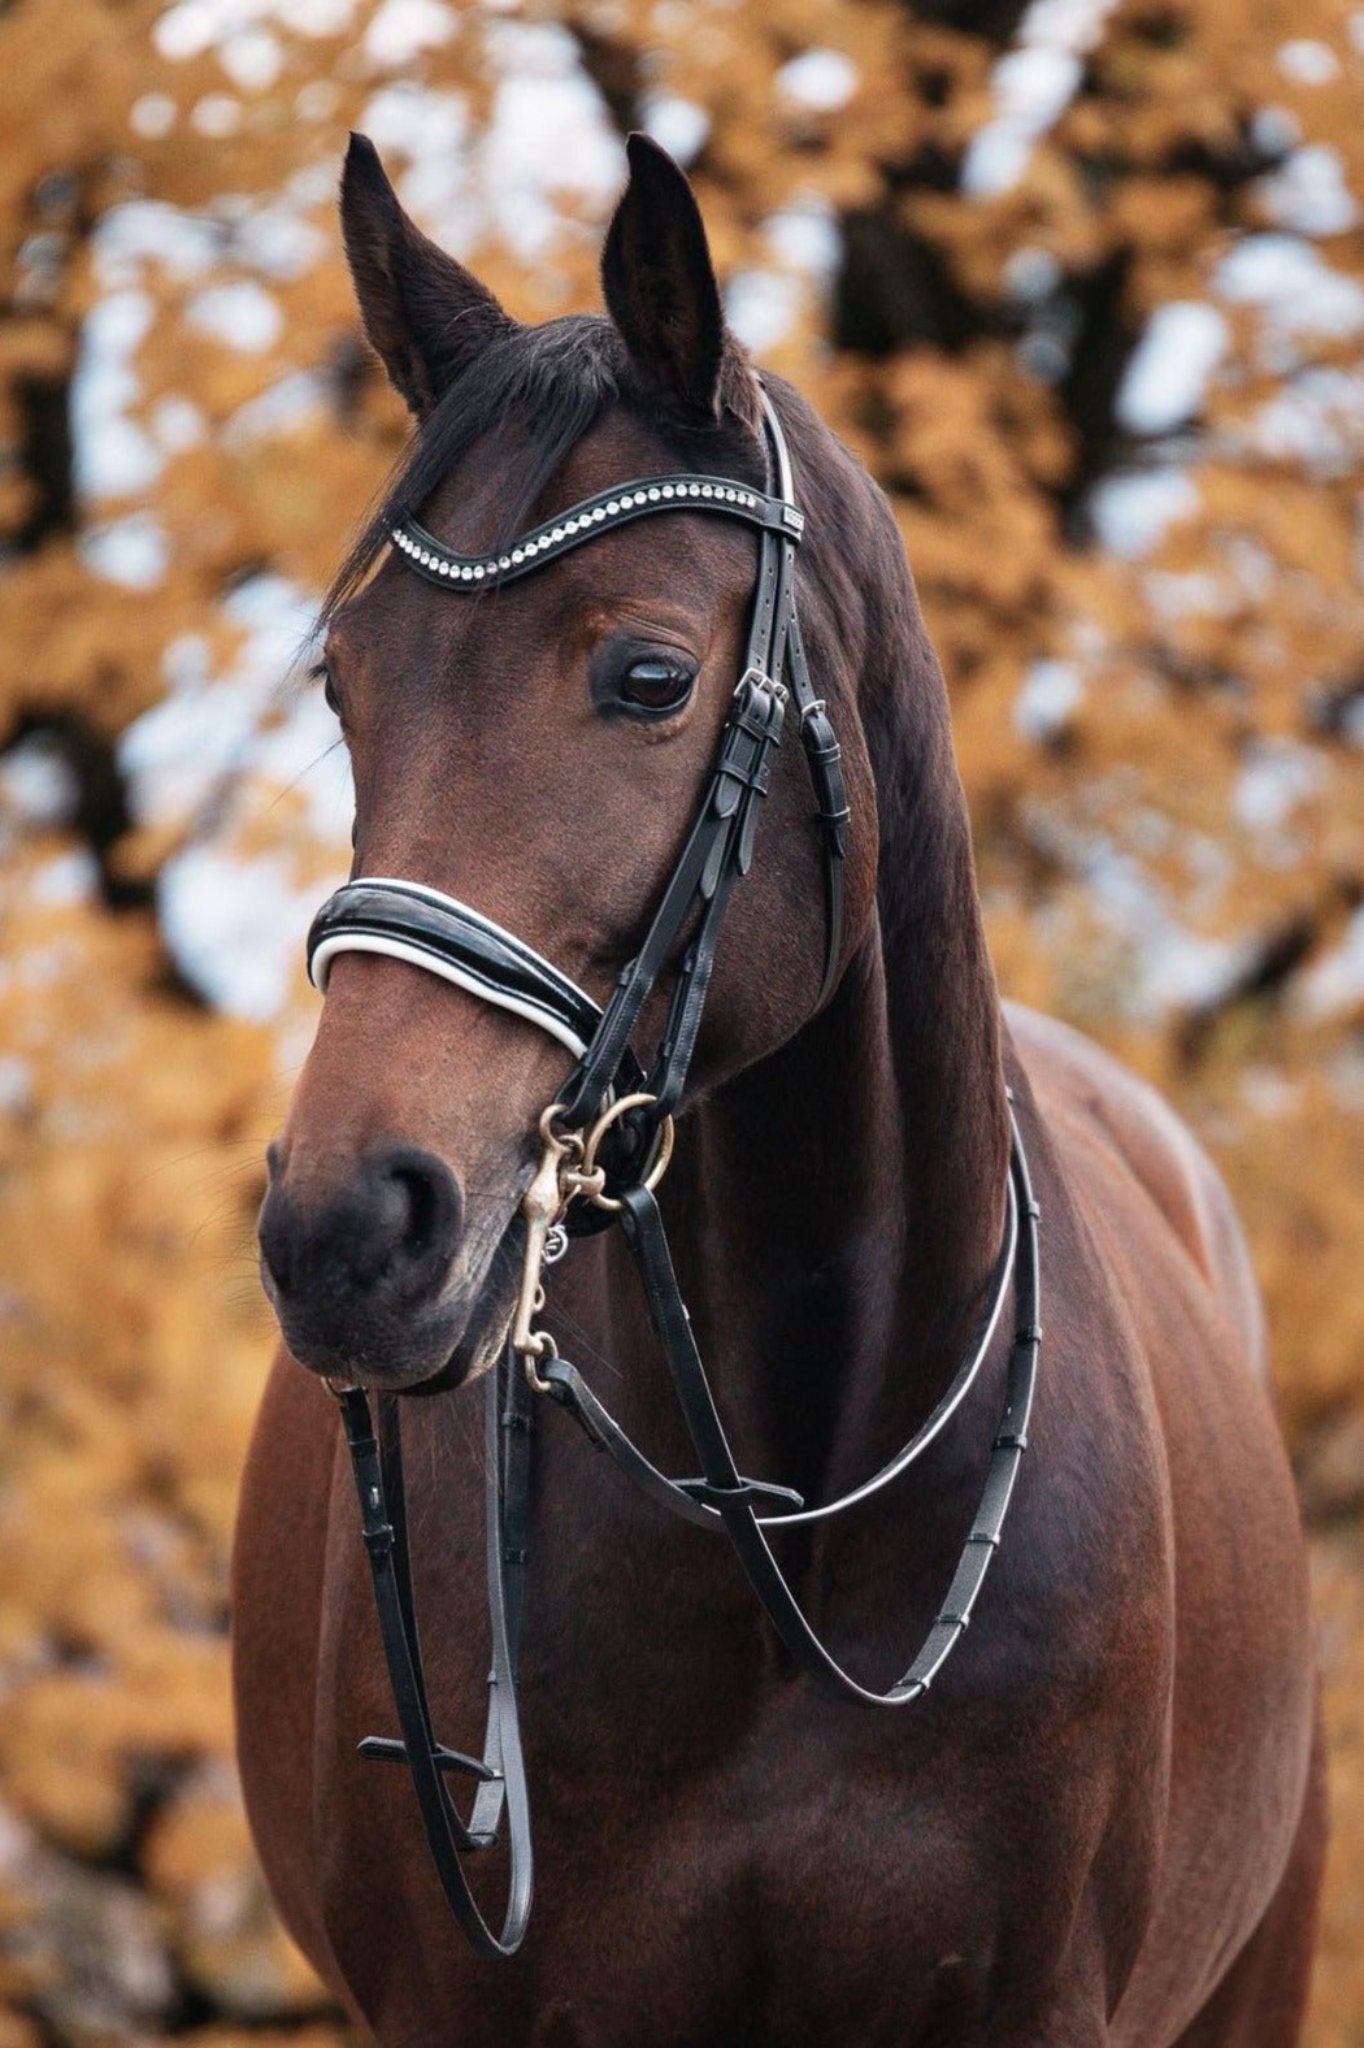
(605, 1146)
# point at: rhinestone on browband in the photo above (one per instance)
(438, 562)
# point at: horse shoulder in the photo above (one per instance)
(1155, 1250)
(1081, 1083)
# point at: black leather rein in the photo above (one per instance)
(606, 1144)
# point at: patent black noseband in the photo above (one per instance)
(605, 1145)
(409, 922)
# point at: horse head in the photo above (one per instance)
(537, 751)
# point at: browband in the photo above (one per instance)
(591, 516)
(407, 921)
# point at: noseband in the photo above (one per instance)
(606, 1144)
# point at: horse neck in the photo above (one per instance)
(843, 1200)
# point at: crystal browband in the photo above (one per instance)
(439, 564)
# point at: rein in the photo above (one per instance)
(605, 1147)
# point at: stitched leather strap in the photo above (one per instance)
(378, 1471)
(733, 1498)
(824, 759)
(683, 1498)
(592, 516)
(705, 872)
(408, 921)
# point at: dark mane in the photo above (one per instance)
(546, 387)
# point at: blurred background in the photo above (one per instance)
(1083, 283)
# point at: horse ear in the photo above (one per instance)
(426, 316)
(660, 285)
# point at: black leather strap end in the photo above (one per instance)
(387, 1749)
(825, 757)
(749, 1493)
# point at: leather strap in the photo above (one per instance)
(592, 516)
(683, 1498)
(500, 1774)
(824, 758)
(724, 1498)
(721, 1498)
(408, 921)
(705, 871)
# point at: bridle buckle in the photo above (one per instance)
(755, 678)
(569, 1171)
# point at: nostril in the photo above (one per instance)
(423, 1211)
(419, 1205)
(389, 1231)
(276, 1237)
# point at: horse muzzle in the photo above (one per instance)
(369, 1275)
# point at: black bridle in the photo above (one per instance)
(606, 1144)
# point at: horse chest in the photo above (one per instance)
(715, 1845)
(841, 1914)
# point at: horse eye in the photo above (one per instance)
(320, 672)
(657, 682)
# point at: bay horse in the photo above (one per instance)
(1102, 1820)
